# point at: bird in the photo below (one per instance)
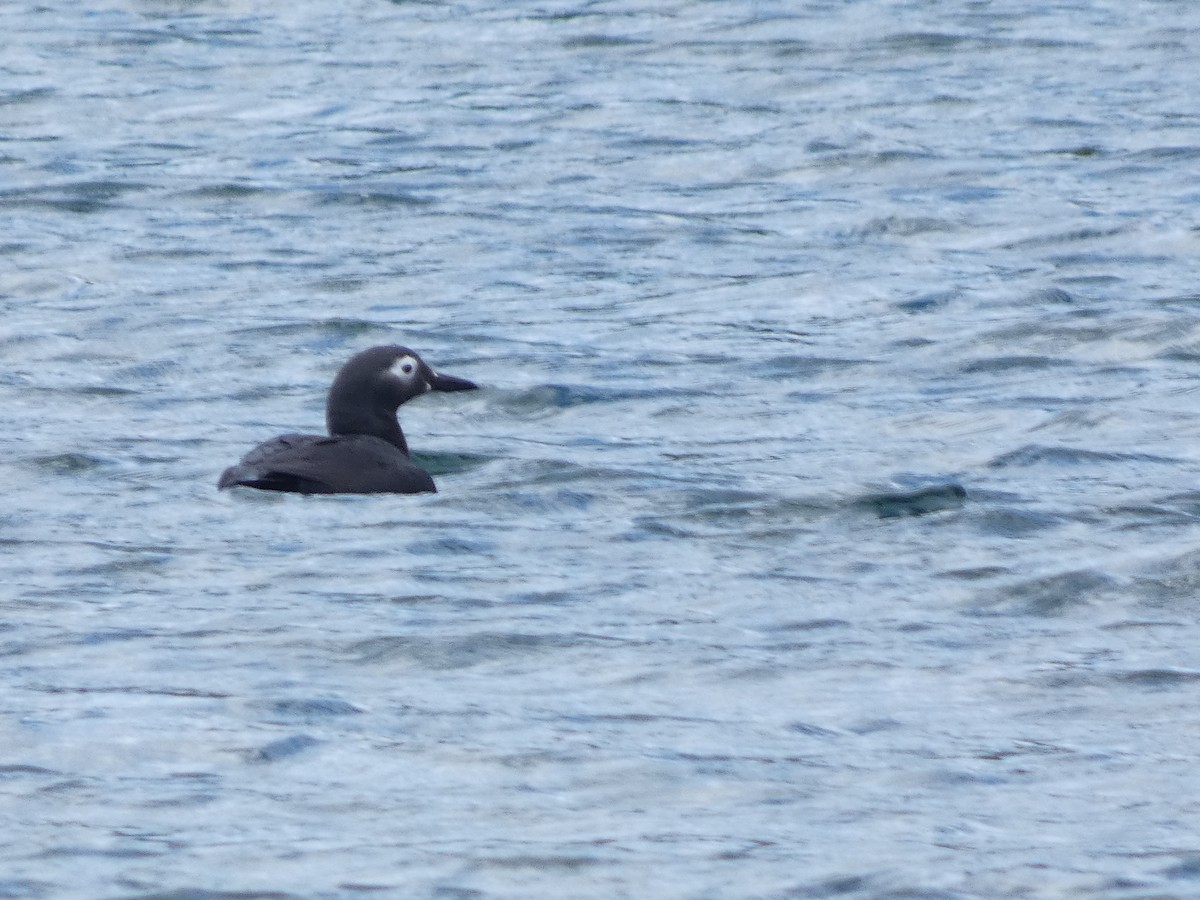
(365, 451)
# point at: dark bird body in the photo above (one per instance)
(365, 451)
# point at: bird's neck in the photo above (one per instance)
(380, 425)
(394, 435)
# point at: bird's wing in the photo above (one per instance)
(316, 464)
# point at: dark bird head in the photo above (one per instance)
(371, 386)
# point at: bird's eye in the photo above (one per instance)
(405, 366)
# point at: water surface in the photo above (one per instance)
(699, 611)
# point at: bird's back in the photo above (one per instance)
(319, 464)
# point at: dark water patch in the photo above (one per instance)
(116, 635)
(1041, 328)
(1044, 42)
(543, 598)
(1176, 580)
(1084, 419)
(355, 887)
(1001, 365)
(340, 327)
(137, 38)
(698, 513)
(547, 399)
(809, 730)
(838, 886)
(1187, 869)
(754, 535)
(728, 763)
(284, 748)
(875, 726)
(134, 690)
(629, 719)
(924, 40)
(783, 47)
(512, 146)
(1011, 522)
(1188, 299)
(602, 42)
(860, 161)
(100, 390)
(1183, 354)
(148, 370)
(542, 864)
(642, 144)
(132, 564)
(1026, 748)
(1037, 454)
(437, 463)
(1101, 260)
(227, 191)
(205, 894)
(1065, 335)
(895, 504)
(770, 331)
(1069, 236)
(16, 771)
(785, 513)
(536, 473)
(1091, 280)
(29, 95)
(67, 787)
(796, 365)
(704, 499)
(1052, 595)
(1187, 503)
(451, 545)
(1159, 679)
(903, 226)
(340, 285)
(811, 625)
(973, 194)
(380, 198)
(449, 653)
(69, 463)
(1150, 516)
(170, 253)
(19, 888)
(780, 48)
(140, 549)
(285, 262)
(1084, 151)
(1136, 624)
(929, 302)
(533, 498)
(810, 396)
(308, 709)
(1173, 154)
(79, 197)
(957, 777)
(101, 852)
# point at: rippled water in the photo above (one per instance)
(753, 289)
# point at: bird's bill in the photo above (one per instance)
(440, 382)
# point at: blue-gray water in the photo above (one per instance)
(733, 275)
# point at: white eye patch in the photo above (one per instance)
(405, 367)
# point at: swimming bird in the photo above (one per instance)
(365, 451)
